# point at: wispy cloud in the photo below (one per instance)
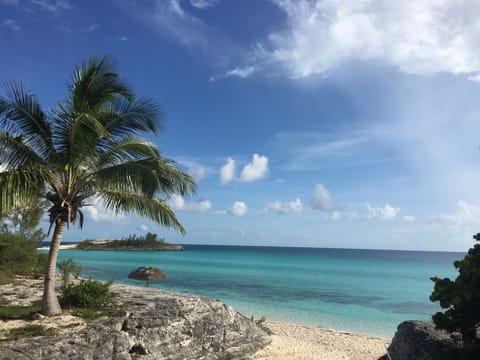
(282, 208)
(465, 214)
(239, 208)
(242, 72)
(10, 24)
(123, 38)
(90, 28)
(416, 37)
(10, 2)
(53, 6)
(203, 4)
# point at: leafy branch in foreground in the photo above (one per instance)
(460, 300)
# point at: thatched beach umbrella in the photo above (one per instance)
(147, 274)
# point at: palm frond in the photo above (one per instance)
(94, 83)
(134, 176)
(22, 114)
(130, 148)
(174, 180)
(20, 187)
(15, 153)
(154, 209)
(126, 116)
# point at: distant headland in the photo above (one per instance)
(149, 242)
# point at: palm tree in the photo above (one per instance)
(87, 148)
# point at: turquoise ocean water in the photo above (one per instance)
(365, 291)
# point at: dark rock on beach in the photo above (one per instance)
(157, 325)
(414, 340)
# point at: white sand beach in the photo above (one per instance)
(62, 247)
(295, 342)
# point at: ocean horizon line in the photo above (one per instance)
(47, 243)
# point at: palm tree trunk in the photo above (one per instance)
(50, 304)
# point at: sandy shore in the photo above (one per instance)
(62, 247)
(294, 342)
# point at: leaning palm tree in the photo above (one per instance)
(89, 147)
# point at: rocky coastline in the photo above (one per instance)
(155, 324)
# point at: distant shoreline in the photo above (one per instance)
(62, 247)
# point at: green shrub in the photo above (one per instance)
(18, 255)
(261, 324)
(87, 314)
(18, 312)
(40, 266)
(91, 294)
(29, 331)
(460, 300)
(67, 268)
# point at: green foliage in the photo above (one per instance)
(131, 242)
(18, 312)
(461, 299)
(67, 268)
(91, 294)
(29, 331)
(18, 255)
(88, 314)
(261, 324)
(469, 353)
(40, 266)
(24, 221)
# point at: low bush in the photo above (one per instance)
(29, 331)
(90, 294)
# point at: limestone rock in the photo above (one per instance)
(157, 325)
(414, 340)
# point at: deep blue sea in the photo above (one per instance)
(365, 291)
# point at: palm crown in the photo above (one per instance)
(88, 146)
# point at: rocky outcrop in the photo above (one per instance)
(414, 340)
(157, 325)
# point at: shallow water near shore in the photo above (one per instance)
(364, 291)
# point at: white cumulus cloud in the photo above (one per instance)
(239, 208)
(227, 171)
(144, 227)
(255, 170)
(417, 37)
(387, 212)
(99, 213)
(177, 203)
(408, 218)
(287, 207)
(321, 199)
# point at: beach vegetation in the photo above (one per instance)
(24, 221)
(261, 324)
(460, 301)
(69, 267)
(15, 312)
(88, 294)
(150, 241)
(89, 148)
(18, 256)
(31, 330)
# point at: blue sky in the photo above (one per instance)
(306, 123)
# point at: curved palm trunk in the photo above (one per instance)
(50, 304)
